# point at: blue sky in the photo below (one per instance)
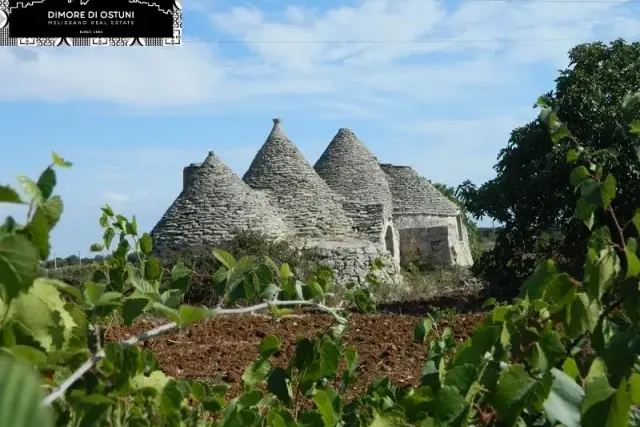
(131, 118)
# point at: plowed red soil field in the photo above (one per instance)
(219, 349)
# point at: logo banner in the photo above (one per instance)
(90, 22)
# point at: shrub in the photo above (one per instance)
(245, 243)
(565, 352)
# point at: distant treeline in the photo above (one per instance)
(71, 261)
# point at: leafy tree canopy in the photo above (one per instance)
(529, 194)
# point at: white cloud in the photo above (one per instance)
(457, 149)
(205, 74)
(112, 196)
(132, 77)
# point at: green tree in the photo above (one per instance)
(529, 194)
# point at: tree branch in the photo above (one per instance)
(163, 329)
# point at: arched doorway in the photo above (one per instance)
(388, 241)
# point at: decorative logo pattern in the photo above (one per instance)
(9, 7)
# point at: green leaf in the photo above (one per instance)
(608, 191)
(152, 269)
(132, 227)
(329, 358)
(108, 236)
(59, 161)
(256, 372)
(512, 392)
(604, 405)
(450, 404)
(578, 175)
(422, 330)
(285, 271)
(189, 314)
(180, 271)
(351, 357)
(323, 403)
(490, 303)
(559, 132)
(583, 315)
(268, 346)
(21, 396)
(171, 397)
(635, 126)
(633, 263)
(634, 388)
(563, 403)
(93, 292)
(570, 367)
(584, 212)
(52, 210)
(636, 220)
(47, 182)
(386, 420)
(132, 308)
(146, 244)
(552, 346)
(9, 195)
(64, 287)
(225, 258)
(42, 315)
(170, 313)
(107, 210)
(96, 247)
(602, 274)
(37, 231)
(30, 188)
(18, 264)
(461, 377)
(279, 384)
(572, 155)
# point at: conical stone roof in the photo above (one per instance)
(212, 207)
(304, 199)
(413, 194)
(351, 170)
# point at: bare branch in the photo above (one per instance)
(163, 329)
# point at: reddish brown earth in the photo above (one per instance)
(219, 349)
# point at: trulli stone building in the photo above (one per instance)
(348, 207)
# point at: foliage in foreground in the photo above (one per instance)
(566, 352)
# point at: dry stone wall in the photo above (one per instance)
(433, 239)
(352, 260)
(368, 219)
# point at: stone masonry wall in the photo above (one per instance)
(368, 219)
(352, 260)
(188, 173)
(433, 238)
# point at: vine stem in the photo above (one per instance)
(163, 329)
